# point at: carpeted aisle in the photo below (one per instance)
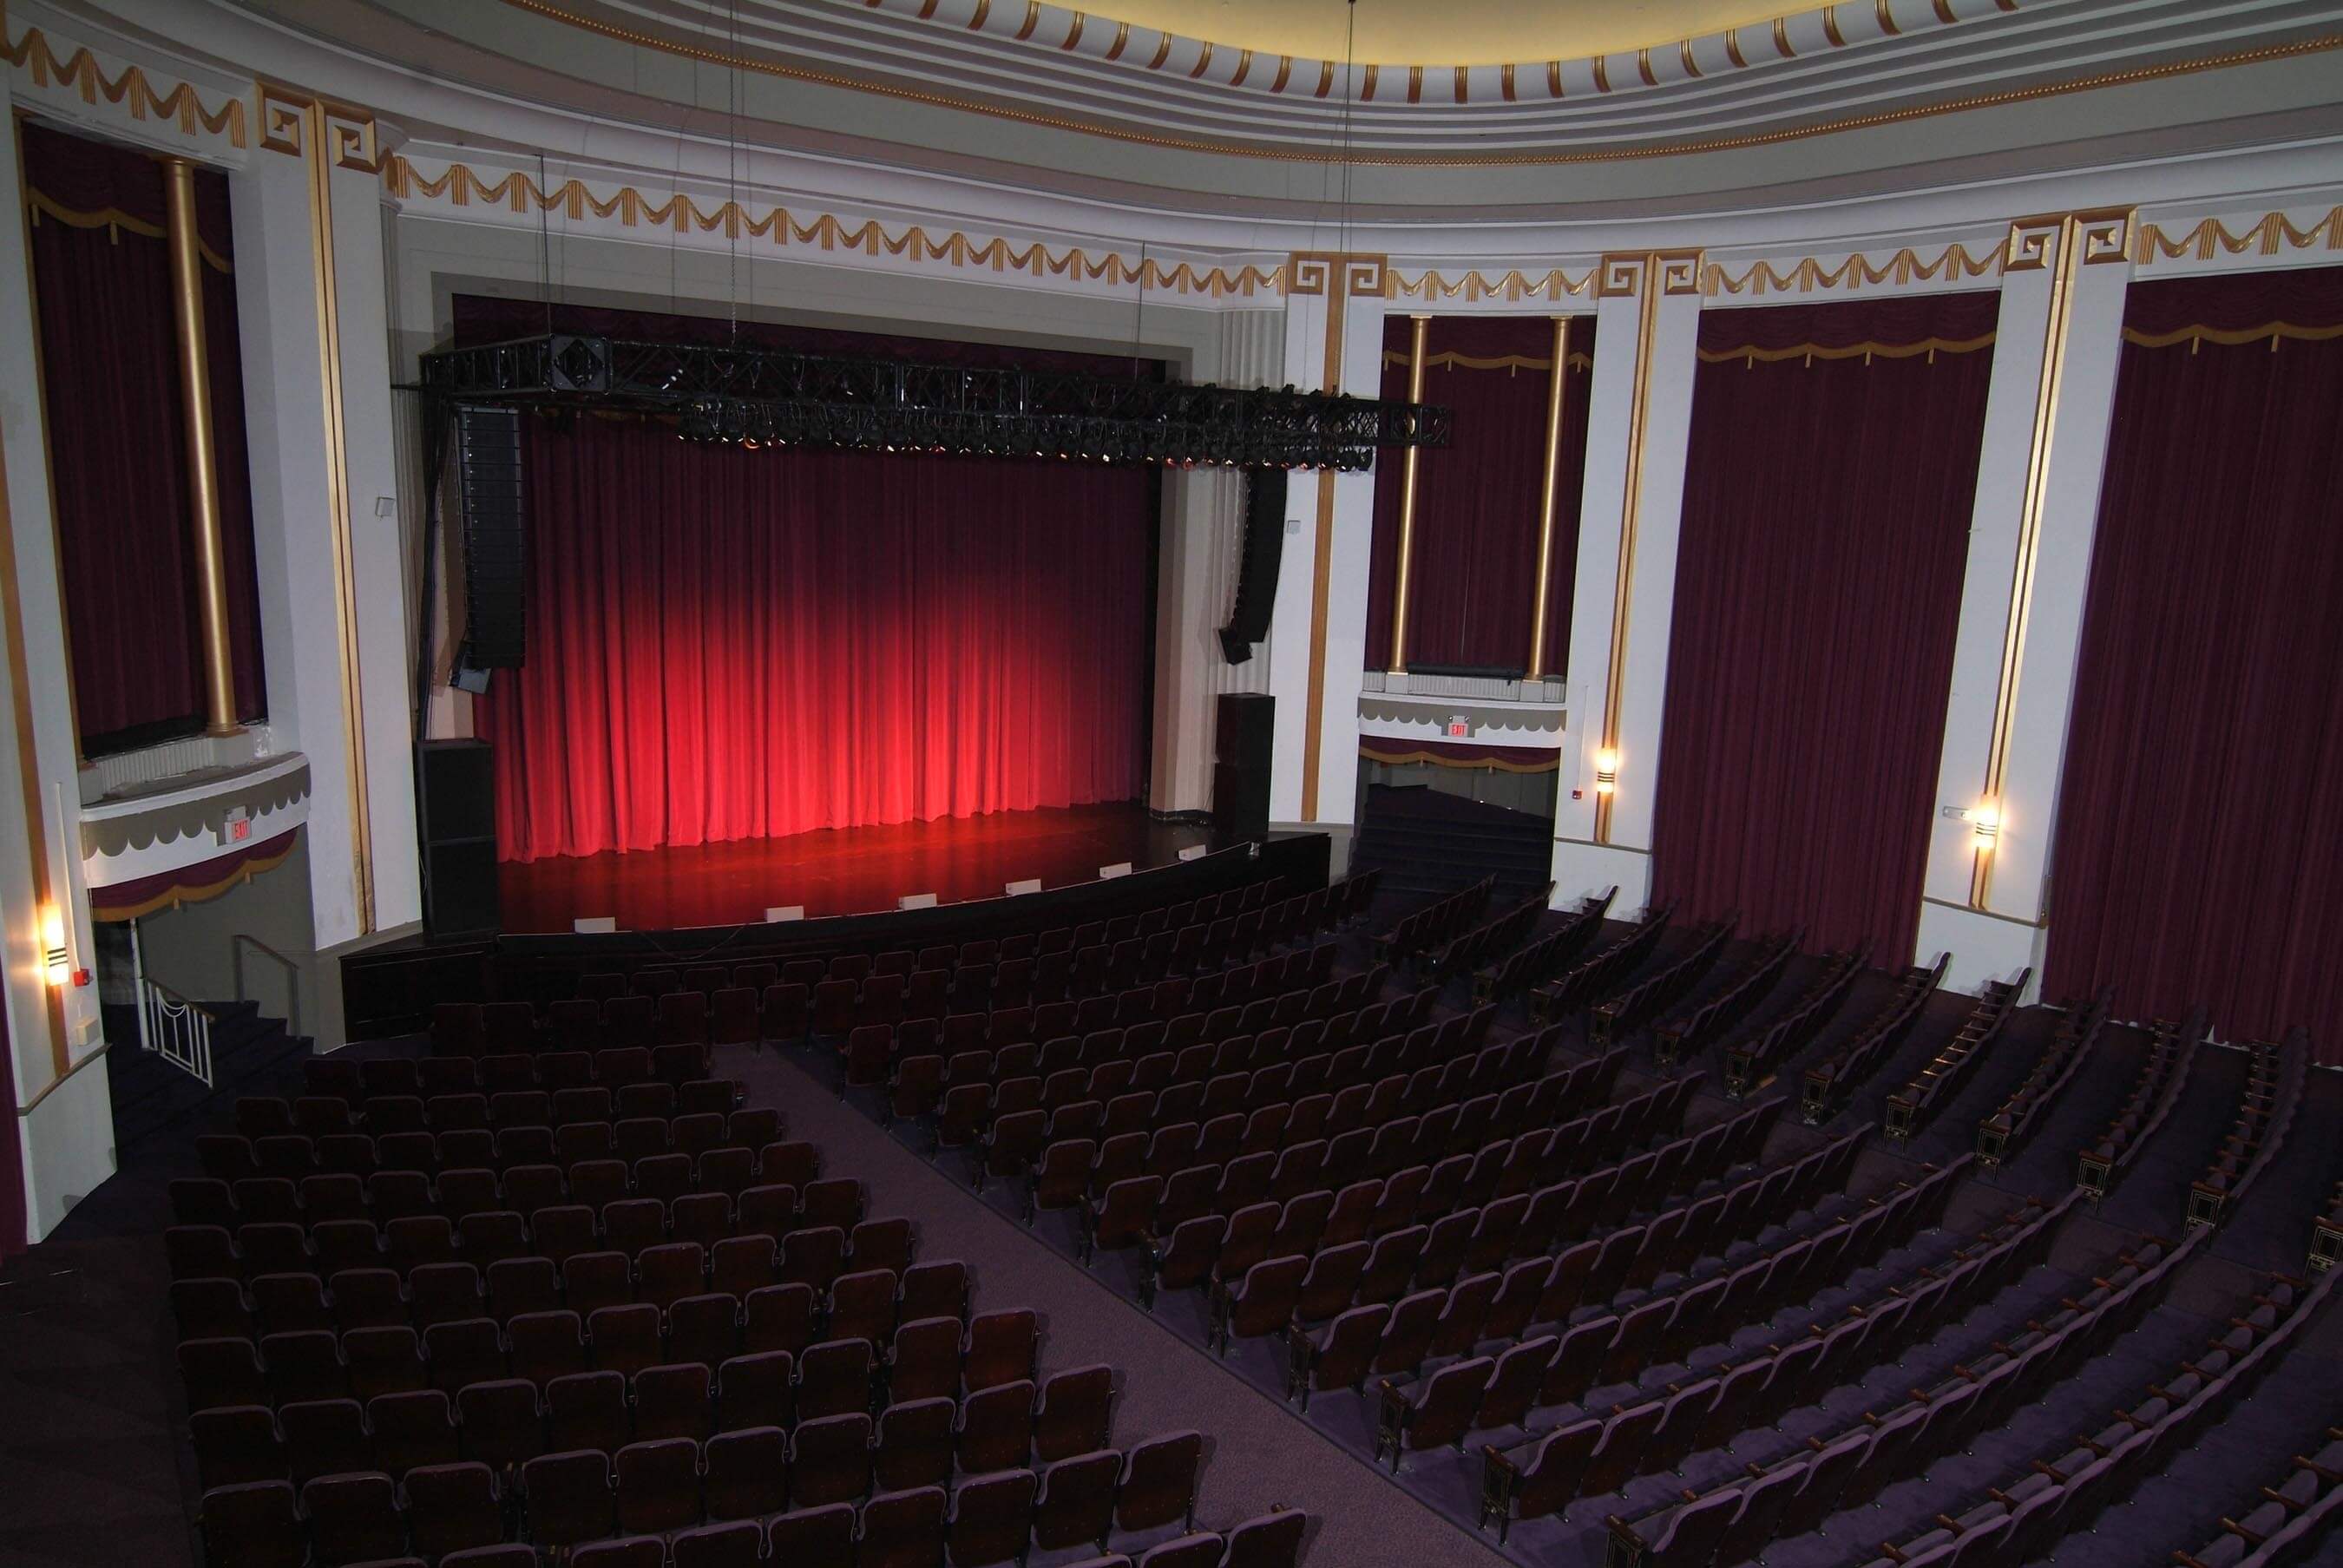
(1261, 1454)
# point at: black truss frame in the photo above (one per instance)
(764, 397)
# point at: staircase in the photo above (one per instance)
(250, 1053)
(1428, 842)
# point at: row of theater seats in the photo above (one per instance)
(2266, 1108)
(1533, 1352)
(2059, 1496)
(1851, 1462)
(517, 1131)
(319, 1115)
(1595, 1443)
(2003, 1131)
(853, 989)
(2303, 1503)
(1245, 1303)
(755, 1483)
(1437, 921)
(1138, 1185)
(2163, 1078)
(1602, 971)
(1543, 1289)
(635, 1089)
(504, 1422)
(1911, 1108)
(1827, 1085)
(1627, 1010)
(1464, 953)
(1691, 1033)
(1536, 961)
(1753, 1055)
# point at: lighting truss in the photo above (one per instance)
(776, 397)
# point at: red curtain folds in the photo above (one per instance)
(117, 445)
(1476, 501)
(729, 644)
(1817, 593)
(2199, 838)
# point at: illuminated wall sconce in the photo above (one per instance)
(1985, 827)
(58, 959)
(1607, 771)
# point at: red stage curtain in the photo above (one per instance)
(1818, 587)
(118, 447)
(728, 644)
(13, 1230)
(2199, 838)
(1472, 600)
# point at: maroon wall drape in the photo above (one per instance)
(2199, 840)
(118, 447)
(728, 644)
(1475, 560)
(1817, 593)
(12, 1228)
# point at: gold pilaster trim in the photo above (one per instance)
(1887, 13)
(337, 504)
(1033, 20)
(48, 458)
(1336, 276)
(1648, 278)
(1244, 69)
(202, 454)
(1691, 67)
(1285, 73)
(2056, 244)
(1122, 41)
(1074, 31)
(1557, 395)
(1203, 62)
(1830, 26)
(1419, 327)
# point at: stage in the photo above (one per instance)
(844, 871)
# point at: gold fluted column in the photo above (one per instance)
(1555, 398)
(1422, 324)
(203, 457)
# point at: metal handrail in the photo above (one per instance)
(176, 1028)
(236, 943)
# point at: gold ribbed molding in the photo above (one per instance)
(1955, 263)
(131, 89)
(2273, 234)
(460, 185)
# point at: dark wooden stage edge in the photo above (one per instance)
(840, 872)
(389, 990)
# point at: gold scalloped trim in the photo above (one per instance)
(39, 204)
(1866, 351)
(2270, 332)
(1401, 758)
(1491, 362)
(81, 72)
(460, 187)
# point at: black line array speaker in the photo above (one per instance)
(1245, 726)
(1264, 550)
(495, 539)
(458, 828)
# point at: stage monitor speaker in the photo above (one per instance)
(1244, 729)
(781, 912)
(495, 539)
(594, 925)
(1019, 888)
(458, 825)
(1264, 550)
(916, 901)
(1120, 869)
(1240, 800)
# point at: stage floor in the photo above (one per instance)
(843, 871)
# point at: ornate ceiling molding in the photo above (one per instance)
(1821, 71)
(1956, 262)
(2210, 239)
(458, 185)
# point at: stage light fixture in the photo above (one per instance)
(1984, 826)
(1606, 771)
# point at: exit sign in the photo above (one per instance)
(236, 826)
(1460, 728)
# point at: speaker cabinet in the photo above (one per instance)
(495, 539)
(458, 830)
(1244, 729)
(1240, 801)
